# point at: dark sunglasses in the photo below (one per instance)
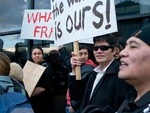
(102, 48)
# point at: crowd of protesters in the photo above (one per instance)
(116, 80)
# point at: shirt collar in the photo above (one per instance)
(139, 103)
(143, 100)
(98, 70)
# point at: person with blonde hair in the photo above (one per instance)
(12, 94)
(16, 71)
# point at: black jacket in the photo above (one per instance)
(77, 87)
(110, 90)
(65, 57)
(44, 102)
(140, 106)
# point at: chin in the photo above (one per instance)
(125, 78)
(122, 75)
(99, 60)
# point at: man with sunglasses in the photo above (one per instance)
(103, 89)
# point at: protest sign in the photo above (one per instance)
(37, 25)
(87, 40)
(80, 19)
(31, 75)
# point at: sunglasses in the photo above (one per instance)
(102, 48)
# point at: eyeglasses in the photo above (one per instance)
(102, 48)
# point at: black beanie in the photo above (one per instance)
(143, 34)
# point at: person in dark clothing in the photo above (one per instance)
(103, 89)
(60, 71)
(11, 87)
(134, 69)
(20, 54)
(74, 97)
(87, 66)
(65, 57)
(120, 45)
(42, 99)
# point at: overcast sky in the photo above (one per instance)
(11, 16)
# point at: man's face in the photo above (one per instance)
(103, 57)
(83, 54)
(135, 62)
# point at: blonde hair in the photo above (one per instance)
(16, 71)
(4, 64)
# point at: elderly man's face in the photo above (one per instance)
(135, 62)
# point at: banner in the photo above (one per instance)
(37, 25)
(80, 19)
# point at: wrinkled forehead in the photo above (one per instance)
(135, 40)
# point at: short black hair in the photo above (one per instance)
(121, 42)
(84, 47)
(37, 47)
(109, 38)
(53, 56)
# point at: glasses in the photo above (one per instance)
(102, 48)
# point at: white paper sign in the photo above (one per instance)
(87, 41)
(31, 75)
(37, 25)
(80, 19)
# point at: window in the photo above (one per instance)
(128, 7)
(11, 13)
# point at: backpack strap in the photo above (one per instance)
(17, 86)
(2, 90)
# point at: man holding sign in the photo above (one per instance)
(104, 88)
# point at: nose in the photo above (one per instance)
(123, 53)
(99, 50)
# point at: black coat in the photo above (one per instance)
(44, 102)
(77, 87)
(110, 90)
(141, 105)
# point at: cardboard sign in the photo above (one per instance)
(37, 25)
(80, 19)
(87, 40)
(31, 75)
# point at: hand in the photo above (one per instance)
(71, 110)
(75, 61)
(59, 47)
(37, 91)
